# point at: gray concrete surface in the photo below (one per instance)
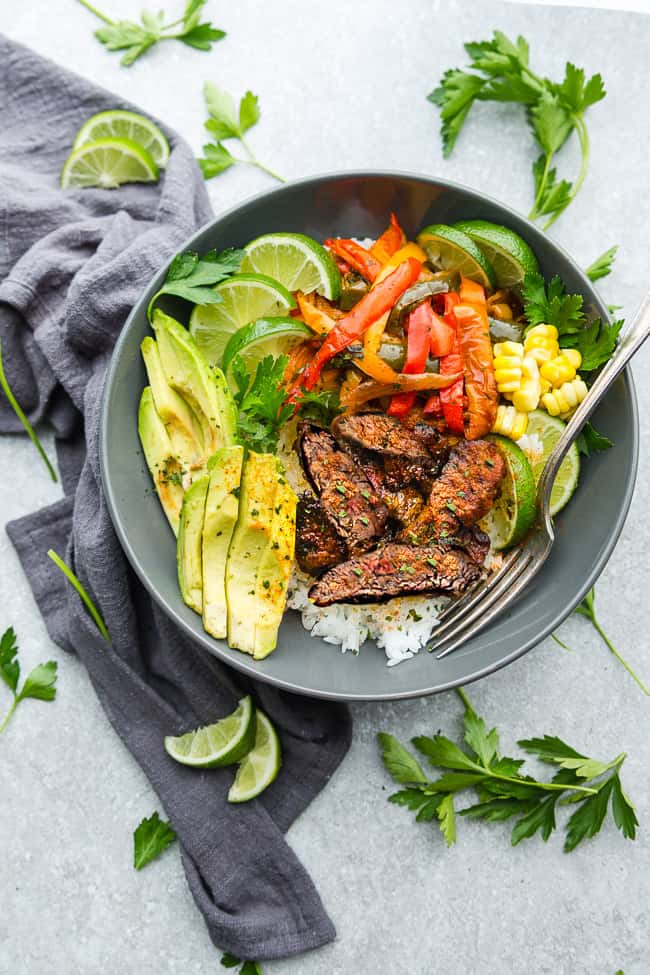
(343, 85)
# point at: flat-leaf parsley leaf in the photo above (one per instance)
(39, 683)
(150, 839)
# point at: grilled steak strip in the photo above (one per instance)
(318, 547)
(396, 570)
(347, 497)
(463, 494)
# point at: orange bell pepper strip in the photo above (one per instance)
(372, 306)
(317, 319)
(419, 384)
(390, 241)
(478, 366)
(418, 336)
(357, 257)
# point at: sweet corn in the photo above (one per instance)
(508, 358)
(574, 357)
(526, 398)
(541, 343)
(510, 423)
(561, 369)
(564, 400)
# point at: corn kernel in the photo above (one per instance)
(546, 331)
(527, 396)
(510, 423)
(574, 357)
(541, 342)
(509, 348)
(508, 357)
(564, 400)
(558, 370)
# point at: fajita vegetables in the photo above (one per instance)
(351, 428)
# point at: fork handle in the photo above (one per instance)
(633, 338)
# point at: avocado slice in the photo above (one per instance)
(274, 570)
(251, 538)
(221, 510)
(165, 468)
(198, 383)
(189, 546)
(182, 425)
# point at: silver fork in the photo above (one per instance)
(471, 612)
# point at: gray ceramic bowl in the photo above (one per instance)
(358, 204)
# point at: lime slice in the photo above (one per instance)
(118, 124)
(449, 249)
(244, 298)
(266, 336)
(223, 743)
(549, 430)
(108, 163)
(260, 766)
(510, 256)
(513, 511)
(296, 261)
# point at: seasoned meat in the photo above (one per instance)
(383, 434)
(347, 497)
(473, 541)
(464, 492)
(410, 454)
(396, 570)
(404, 502)
(318, 547)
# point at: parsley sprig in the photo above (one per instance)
(135, 39)
(500, 72)
(227, 123)
(29, 429)
(193, 278)
(151, 837)
(39, 683)
(76, 584)
(247, 967)
(603, 265)
(504, 792)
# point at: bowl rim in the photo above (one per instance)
(246, 664)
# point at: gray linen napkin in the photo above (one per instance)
(72, 263)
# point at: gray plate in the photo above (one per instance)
(358, 204)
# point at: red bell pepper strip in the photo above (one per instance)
(442, 336)
(372, 306)
(451, 399)
(433, 406)
(478, 366)
(390, 241)
(418, 336)
(359, 258)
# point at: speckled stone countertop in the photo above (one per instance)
(342, 86)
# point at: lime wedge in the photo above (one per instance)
(449, 249)
(244, 298)
(108, 163)
(118, 124)
(513, 511)
(296, 261)
(260, 767)
(549, 430)
(510, 256)
(223, 743)
(266, 336)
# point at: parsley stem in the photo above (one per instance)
(542, 188)
(74, 582)
(255, 161)
(583, 136)
(23, 419)
(464, 698)
(618, 656)
(96, 12)
(9, 714)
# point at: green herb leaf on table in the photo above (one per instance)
(248, 967)
(587, 608)
(603, 265)
(193, 278)
(29, 430)
(229, 122)
(39, 683)
(504, 792)
(150, 839)
(136, 39)
(500, 72)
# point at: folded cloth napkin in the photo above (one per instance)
(72, 264)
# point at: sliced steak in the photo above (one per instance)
(464, 492)
(396, 570)
(347, 497)
(318, 547)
